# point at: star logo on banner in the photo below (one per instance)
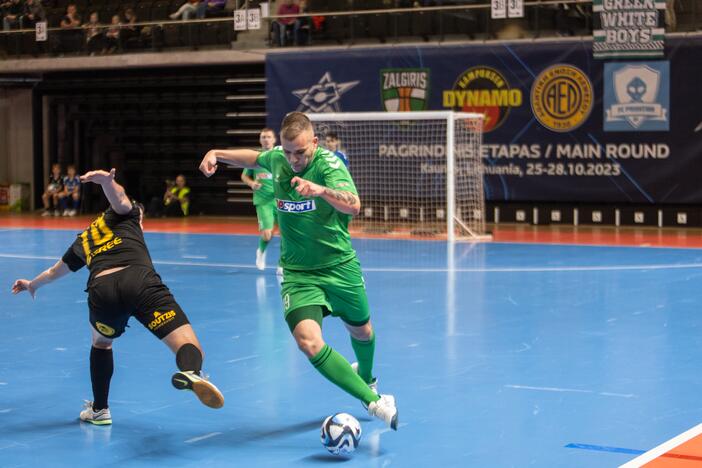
(323, 96)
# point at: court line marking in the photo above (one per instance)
(570, 390)
(604, 448)
(663, 448)
(245, 358)
(203, 437)
(661, 266)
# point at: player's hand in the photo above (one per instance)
(23, 285)
(208, 166)
(255, 186)
(306, 188)
(99, 177)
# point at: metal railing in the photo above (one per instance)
(545, 18)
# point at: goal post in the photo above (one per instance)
(419, 174)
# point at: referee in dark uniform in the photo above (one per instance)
(123, 283)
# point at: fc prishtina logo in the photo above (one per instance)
(404, 89)
(637, 97)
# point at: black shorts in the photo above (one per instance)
(134, 291)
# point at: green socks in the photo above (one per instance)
(262, 244)
(338, 371)
(364, 351)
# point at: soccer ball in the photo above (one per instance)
(341, 434)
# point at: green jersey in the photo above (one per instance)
(265, 193)
(313, 233)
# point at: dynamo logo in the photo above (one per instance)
(296, 206)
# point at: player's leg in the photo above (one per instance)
(75, 196)
(346, 292)
(265, 212)
(97, 411)
(46, 200)
(305, 324)
(108, 319)
(158, 311)
(189, 356)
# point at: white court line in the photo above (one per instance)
(663, 448)
(662, 266)
(195, 257)
(570, 390)
(206, 436)
(245, 358)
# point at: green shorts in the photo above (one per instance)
(339, 289)
(266, 214)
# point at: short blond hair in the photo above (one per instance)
(294, 124)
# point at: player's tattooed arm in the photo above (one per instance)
(345, 202)
(347, 197)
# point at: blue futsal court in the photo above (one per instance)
(499, 355)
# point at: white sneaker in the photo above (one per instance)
(65, 212)
(260, 260)
(99, 418)
(72, 212)
(385, 410)
(57, 213)
(205, 390)
(46, 213)
(373, 385)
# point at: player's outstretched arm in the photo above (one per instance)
(239, 158)
(346, 202)
(52, 274)
(253, 185)
(113, 191)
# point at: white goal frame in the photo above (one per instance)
(450, 117)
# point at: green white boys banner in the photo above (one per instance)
(628, 28)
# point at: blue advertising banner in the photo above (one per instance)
(560, 126)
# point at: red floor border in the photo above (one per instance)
(581, 235)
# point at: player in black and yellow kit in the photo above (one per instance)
(122, 284)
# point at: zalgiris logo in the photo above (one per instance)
(483, 90)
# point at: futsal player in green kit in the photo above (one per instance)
(261, 182)
(315, 199)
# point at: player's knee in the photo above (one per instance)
(309, 346)
(100, 343)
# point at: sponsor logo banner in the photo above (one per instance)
(562, 97)
(404, 89)
(486, 91)
(637, 97)
(324, 96)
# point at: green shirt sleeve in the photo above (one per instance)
(264, 160)
(337, 177)
(248, 172)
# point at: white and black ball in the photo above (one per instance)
(341, 434)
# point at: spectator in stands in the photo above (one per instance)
(211, 8)
(70, 193)
(32, 14)
(332, 143)
(113, 33)
(671, 20)
(12, 12)
(71, 36)
(130, 33)
(187, 10)
(94, 39)
(303, 31)
(282, 27)
(50, 197)
(176, 200)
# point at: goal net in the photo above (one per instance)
(419, 174)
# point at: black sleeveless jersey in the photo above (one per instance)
(111, 241)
